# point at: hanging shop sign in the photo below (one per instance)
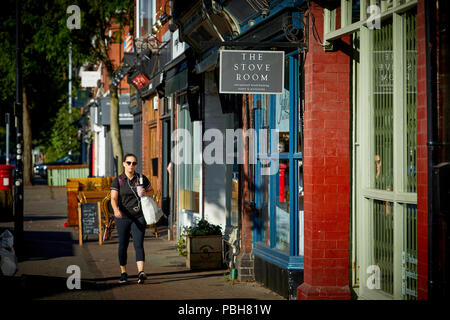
(253, 72)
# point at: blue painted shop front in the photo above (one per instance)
(278, 194)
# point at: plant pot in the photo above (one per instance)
(204, 252)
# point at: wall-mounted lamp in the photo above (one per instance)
(162, 20)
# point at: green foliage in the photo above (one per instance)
(45, 47)
(201, 228)
(181, 244)
(204, 228)
(62, 132)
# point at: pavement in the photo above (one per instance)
(51, 248)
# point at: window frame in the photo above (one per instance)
(364, 194)
(291, 260)
(331, 32)
(152, 16)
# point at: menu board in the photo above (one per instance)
(89, 218)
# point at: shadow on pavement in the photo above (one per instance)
(35, 287)
(38, 181)
(188, 274)
(47, 245)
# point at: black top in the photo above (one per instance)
(129, 200)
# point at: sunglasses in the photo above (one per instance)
(131, 163)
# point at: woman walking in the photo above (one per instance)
(126, 191)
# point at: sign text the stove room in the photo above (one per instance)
(253, 72)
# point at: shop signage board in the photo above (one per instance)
(89, 221)
(251, 71)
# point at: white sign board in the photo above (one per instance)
(89, 79)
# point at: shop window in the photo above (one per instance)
(383, 99)
(189, 171)
(385, 183)
(146, 11)
(282, 112)
(278, 195)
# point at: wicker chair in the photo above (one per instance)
(108, 223)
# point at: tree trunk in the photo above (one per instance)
(27, 140)
(116, 139)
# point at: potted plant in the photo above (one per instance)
(203, 246)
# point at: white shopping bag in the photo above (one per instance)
(152, 213)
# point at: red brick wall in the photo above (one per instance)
(326, 171)
(422, 179)
(116, 54)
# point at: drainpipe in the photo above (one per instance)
(237, 242)
(432, 144)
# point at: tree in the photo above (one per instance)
(42, 77)
(62, 129)
(98, 17)
(46, 39)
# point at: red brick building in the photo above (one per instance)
(366, 98)
(374, 200)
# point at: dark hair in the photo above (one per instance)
(129, 155)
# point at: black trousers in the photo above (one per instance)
(135, 226)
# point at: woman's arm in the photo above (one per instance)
(148, 192)
(115, 203)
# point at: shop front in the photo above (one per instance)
(278, 189)
(185, 127)
(260, 214)
(272, 176)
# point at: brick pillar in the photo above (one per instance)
(422, 157)
(326, 172)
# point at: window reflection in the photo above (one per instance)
(282, 207)
(282, 112)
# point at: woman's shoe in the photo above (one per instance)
(123, 277)
(141, 277)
